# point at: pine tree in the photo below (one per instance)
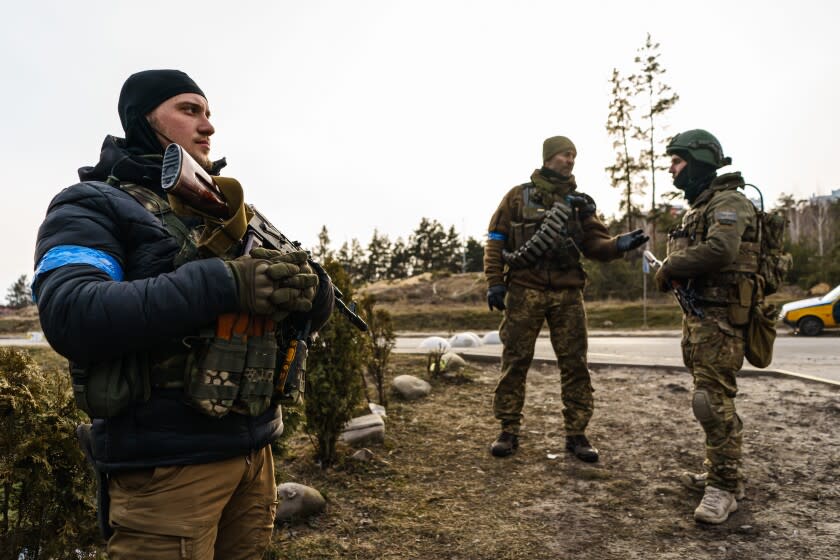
(323, 251)
(352, 257)
(379, 257)
(19, 294)
(658, 99)
(474, 255)
(400, 265)
(454, 258)
(357, 262)
(624, 173)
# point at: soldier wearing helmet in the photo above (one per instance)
(715, 254)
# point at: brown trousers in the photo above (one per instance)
(222, 510)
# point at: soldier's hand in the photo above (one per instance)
(253, 286)
(283, 265)
(298, 258)
(289, 300)
(496, 297)
(585, 205)
(629, 241)
(663, 283)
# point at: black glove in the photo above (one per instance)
(496, 297)
(584, 203)
(322, 304)
(629, 241)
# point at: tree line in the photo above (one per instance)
(431, 247)
(813, 239)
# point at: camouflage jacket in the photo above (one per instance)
(716, 243)
(516, 219)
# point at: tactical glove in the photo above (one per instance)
(496, 297)
(629, 241)
(283, 265)
(585, 205)
(288, 300)
(253, 285)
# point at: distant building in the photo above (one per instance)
(833, 197)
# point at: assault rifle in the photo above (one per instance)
(185, 179)
(686, 297)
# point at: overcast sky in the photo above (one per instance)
(374, 114)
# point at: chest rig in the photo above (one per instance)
(229, 369)
(733, 286)
(545, 232)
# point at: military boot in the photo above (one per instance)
(580, 446)
(697, 482)
(716, 506)
(506, 444)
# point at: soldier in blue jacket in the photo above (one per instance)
(125, 293)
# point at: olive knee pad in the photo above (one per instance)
(704, 411)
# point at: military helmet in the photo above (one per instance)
(700, 145)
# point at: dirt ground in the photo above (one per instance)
(433, 491)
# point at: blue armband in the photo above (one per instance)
(496, 236)
(76, 254)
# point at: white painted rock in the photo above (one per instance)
(410, 387)
(434, 344)
(298, 501)
(491, 338)
(464, 340)
(369, 428)
(452, 362)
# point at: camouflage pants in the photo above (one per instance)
(526, 310)
(713, 350)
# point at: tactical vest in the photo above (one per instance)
(736, 285)
(555, 252)
(229, 369)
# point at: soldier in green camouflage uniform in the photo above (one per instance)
(714, 254)
(532, 263)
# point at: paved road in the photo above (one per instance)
(810, 357)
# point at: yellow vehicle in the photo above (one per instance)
(810, 316)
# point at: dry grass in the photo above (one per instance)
(433, 491)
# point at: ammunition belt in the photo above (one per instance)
(551, 234)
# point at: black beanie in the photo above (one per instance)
(140, 94)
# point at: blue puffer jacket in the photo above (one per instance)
(115, 290)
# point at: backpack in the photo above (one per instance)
(773, 266)
(773, 262)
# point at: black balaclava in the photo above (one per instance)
(142, 93)
(695, 177)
